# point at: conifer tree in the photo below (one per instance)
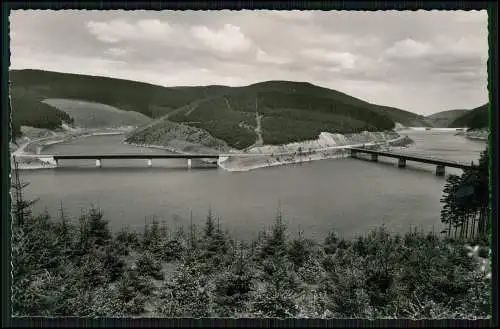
(147, 265)
(125, 240)
(187, 295)
(277, 299)
(466, 201)
(176, 246)
(64, 226)
(131, 293)
(299, 251)
(275, 244)
(209, 225)
(233, 287)
(21, 207)
(152, 237)
(98, 227)
(331, 242)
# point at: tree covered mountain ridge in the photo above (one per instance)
(274, 112)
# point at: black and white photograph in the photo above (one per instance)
(250, 164)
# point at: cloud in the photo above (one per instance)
(343, 41)
(264, 57)
(465, 46)
(299, 15)
(118, 30)
(471, 16)
(440, 46)
(342, 59)
(116, 51)
(72, 64)
(441, 60)
(229, 39)
(408, 48)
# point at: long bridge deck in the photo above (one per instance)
(402, 158)
(416, 158)
(134, 156)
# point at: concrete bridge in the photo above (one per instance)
(403, 158)
(149, 157)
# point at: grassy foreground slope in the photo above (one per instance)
(443, 119)
(290, 111)
(475, 118)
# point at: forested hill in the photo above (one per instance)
(443, 119)
(30, 87)
(298, 110)
(475, 118)
(406, 118)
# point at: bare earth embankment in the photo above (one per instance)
(477, 134)
(88, 119)
(27, 149)
(327, 146)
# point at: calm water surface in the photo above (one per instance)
(348, 195)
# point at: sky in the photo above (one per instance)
(419, 61)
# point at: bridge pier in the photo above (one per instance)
(401, 163)
(189, 163)
(374, 157)
(440, 171)
(150, 163)
(98, 163)
(353, 153)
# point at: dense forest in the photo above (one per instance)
(466, 202)
(63, 266)
(443, 119)
(473, 119)
(286, 117)
(34, 113)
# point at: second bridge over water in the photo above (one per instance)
(403, 158)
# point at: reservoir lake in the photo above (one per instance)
(350, 196)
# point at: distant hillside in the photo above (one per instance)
(288, 111)
(95, 115)
(406, 118)
(30, 87)
(286, 116)
(445, 118)
(475, 118)
(291, 111)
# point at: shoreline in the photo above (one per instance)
(265, 161)
(29, 160)
(255, 160)
(475, 134)
(326, 148)
(479, 139)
